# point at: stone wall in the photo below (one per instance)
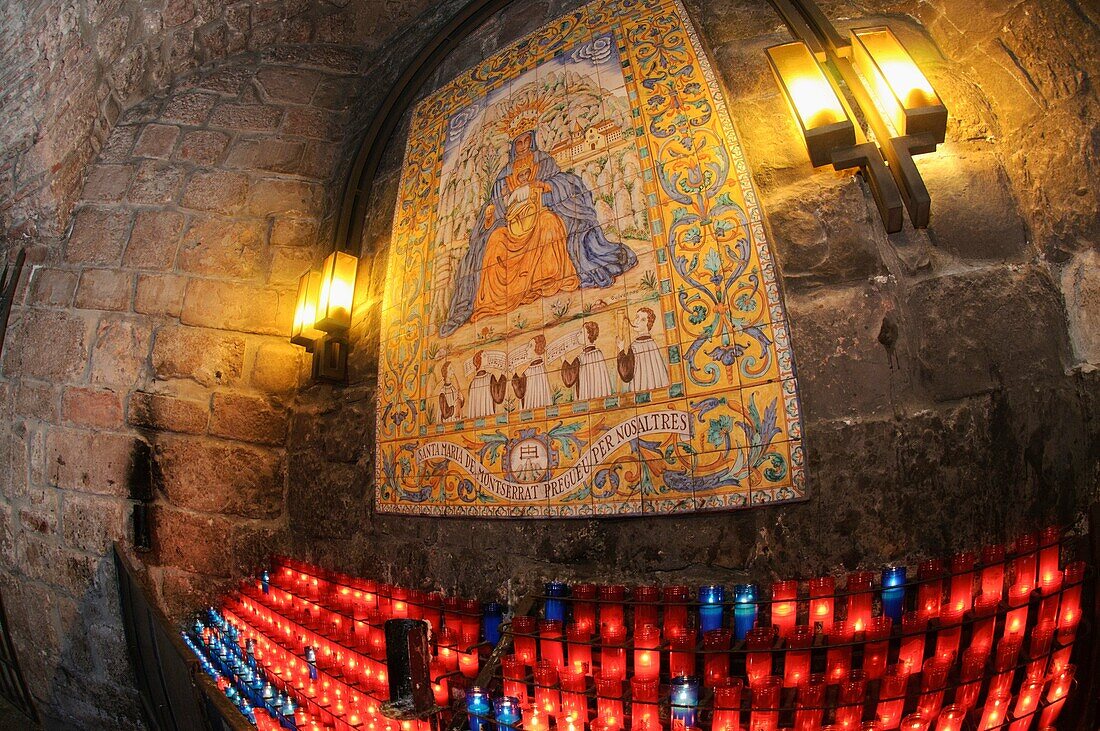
(948, 375)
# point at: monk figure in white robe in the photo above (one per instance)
(450, 398)
(533, 387)
(593, 381)
(481, 397)
(641, 364)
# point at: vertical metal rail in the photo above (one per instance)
(9, 281)
(12, 685)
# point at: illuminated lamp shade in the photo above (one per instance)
(304, 332)
(900, 89)
(337, 287)
(814, 103)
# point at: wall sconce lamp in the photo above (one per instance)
(322, 315)
(902, 110)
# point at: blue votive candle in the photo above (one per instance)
(893, 592)
(491, 616)
(744, 609)
(478, 708)
(556, 591)
(710, 610)
(508, 713)
(684, 702)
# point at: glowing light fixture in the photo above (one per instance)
(899, 87)
(813, 102)
(304, 332)
(335, 297)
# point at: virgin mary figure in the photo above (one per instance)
(537, 236)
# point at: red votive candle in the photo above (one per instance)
(468, 661)
(547, 696)
(911, 652)
(574, 700)
(853, 691)
(647, 655)
(433, 610)
(399, 605)
(550, 643)
(915, 722)
(822, 590)
(932, 682)
(951, 719)
(611, 607)
(609, 702)
(985, 609)
(962, 580)
(930, 591)
(644, 715)
(452, 613)
(796, 659)
(876, 648)
(765, 704)
(1041, 637)
(811, 704)
(784, 606)
(716, 657)
(1050, 547)
(993, 570)
(584, 607)
(523, 639)
(646, 601)
(1016, 617)
(970, 677)
(859, 600)
(758, 660)
(681, 656)
(727, 705)
(1026, 560)
(1027, 701)
(471, 617)
(1056, 696)
(1048, 606)
(580, 646)
(892, 697)
(994, 711)
(1069, 614)
(676, 610)
(838, 659)
(448, 650)
(515, 678)
(950, 631)
(612, 652)
(441, 689)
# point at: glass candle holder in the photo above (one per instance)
(1056, 696)
(1069, 613)
(441, 686)
(547, 694)
(1025, 561)
(796, 659)
(580, 647)
(727, 705)
(811, 702)
(950, 632)
(838, 658)
(822, 590)
(876, 648)
(612, 651)
(647, 655)
(675, 610)
(962, 580)
(784, 606)
(930, 588)
(646, 601)
(710, 607)
(1016, 617)
(468, 661)
(550, 643)
(448, 650)
(716, 658)
(681, 656)
(507, 713)
(479, 709)
(992, 577)
(911, 651)
(994, 712)
(970, 678)
(554, 607)
(523, 639)
(574, 698)
(609, 702)
(612, 610)
(853, 691)
(584, 607)
(1051, 597)
(452, 611)
(491, 617)
(985, 619)
(758, 659)
(859, 599)
(744, 609)
(514, 673)
(1027, 700)
(471, 617)
(765, 704)
(951, 718)
(684, 702)
(893, 592)
(644, 714)
(892, 697)
(915, 722)
(1049, 550)
(1042, 635)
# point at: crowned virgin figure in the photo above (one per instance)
(537, 235)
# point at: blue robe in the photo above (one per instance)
(598, 261)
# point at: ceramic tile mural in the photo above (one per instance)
(581, 315)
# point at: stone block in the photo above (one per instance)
(157, 140)
(276, 367)
(217, 191)
(120, 352)
(221, 248)
(229, 306)
(295, 232)
(154, 240)
(285, 198)
(191, 108)
(248, 419)
(1080, 284)
(288, 264)
(118, 144)
(275, 156)
(98, 236)
(91, 523)
(325, 499)
(215, 477)
(162, 412)
(178, 12)
(210, 544)
(183, 592)
(89, 461)
(51, 346)
(208, 357)
(975, 330)
(330, 58)
(99, 408)
(281, 84)
(246, 117)
(159, 294)
(321, 160)
(107, 183)
(156, 183)
(318, 124)
(104, 289)
(52, 287)
(203, 147)
(974, 214)
(36, 400)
